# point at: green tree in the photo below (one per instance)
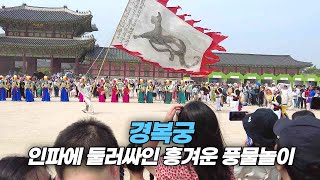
(311, 70)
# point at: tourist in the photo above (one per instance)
(107, 88)
(195, 93)
(33, 86)
(259, 129)
(64, 97)
(218, 96)
(209, 136)
(8, 87)
(56, 86)
(188, 90)
(120, 85)
(136, 171)
(299, 98)
(155, 91)
(174, 91)
(149, 90)
(261, 96)
(22, 83)
(45, 90)
(38, 90)
(132, 88)
(295, 98)
(302, 113)
(17, 168)
(303, 133)
(87, 133)
(304, 96)
(310, 95)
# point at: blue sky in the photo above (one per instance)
(264, 27)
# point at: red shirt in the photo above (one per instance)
(114, 90)
(126, 91)
(100, 89)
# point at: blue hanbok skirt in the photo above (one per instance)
(64, 95)
(29, 95)
(3, 94)
(16, 94)
(45, 95)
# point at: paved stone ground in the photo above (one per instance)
(25, 125)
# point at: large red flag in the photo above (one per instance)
(151, 31)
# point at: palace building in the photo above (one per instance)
(33, 33)
(57, 34)
(236, 65)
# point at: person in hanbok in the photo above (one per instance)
(82, 82)
(268, 95)
(213, 89)
(229, 95)
(235, 102)
(64, 96)
(86, 91)
(168, 89)
(277, 102)
(286, 98)
(115, 92)
(126, 92)
(45, 90)
(101, 91)
(3, 93)
(142, 92)
(101, 95)
(205, 92)
(150, 92)
(28, 90)
(15, 92)
(182, 92)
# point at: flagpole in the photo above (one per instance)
(113, 37)
(108, 49)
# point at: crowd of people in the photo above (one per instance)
(278, 97)
(263, 126)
